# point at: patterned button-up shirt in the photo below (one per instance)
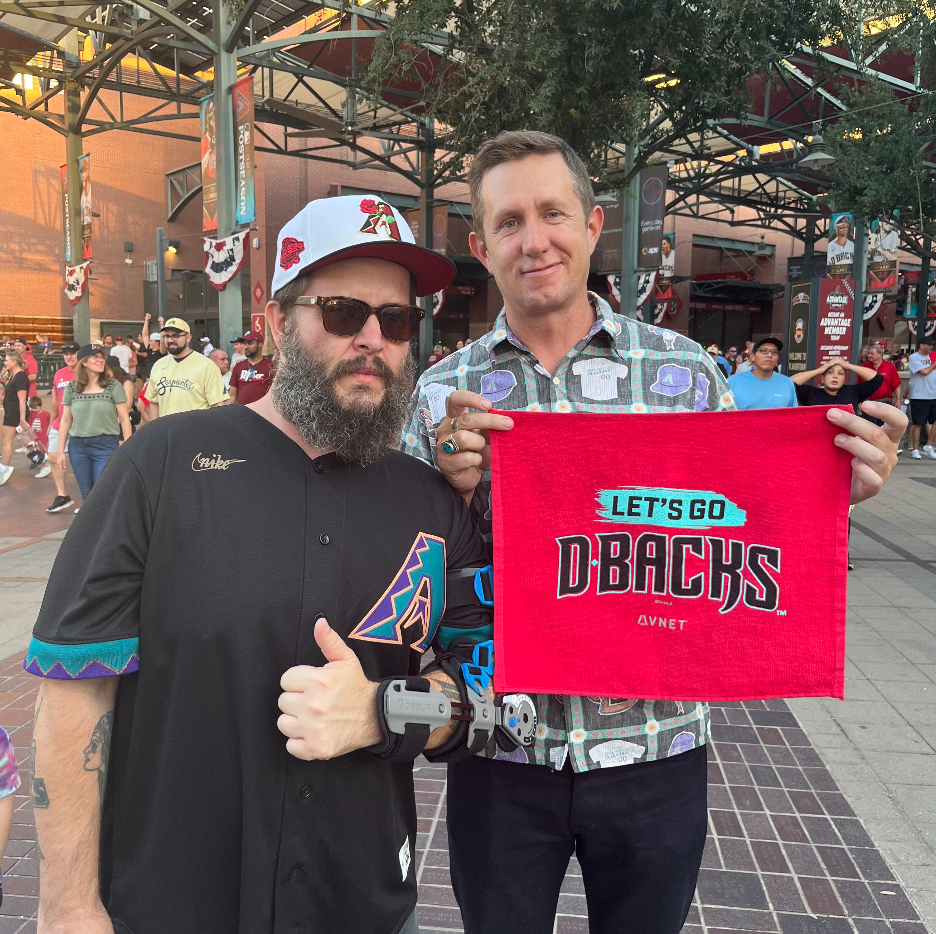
(621, 365)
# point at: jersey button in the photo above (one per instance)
(295, 874)
(318, 468)
(324, 539)
(556, 381)
(305, 792)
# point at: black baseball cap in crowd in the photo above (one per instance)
(89, 350)
(70, 347)
(769, 340)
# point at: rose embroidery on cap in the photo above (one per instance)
(290, 252)
(381, 220)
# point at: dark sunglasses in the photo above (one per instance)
(344, 317)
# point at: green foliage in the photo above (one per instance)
(584, 69)
(881, 148)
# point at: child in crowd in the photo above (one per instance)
(38, 446)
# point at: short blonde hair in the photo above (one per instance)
(512, 145)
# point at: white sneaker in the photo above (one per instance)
(899, 451)
(916, 455)
(20, 451)
(5, 473)
(44, 471)
(929, 452)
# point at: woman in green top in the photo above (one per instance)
(94, 413)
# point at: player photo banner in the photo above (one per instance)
(840, 254)
(650, 215)
(243, 98)
(84, 173)
(209, 164)
(625, 567)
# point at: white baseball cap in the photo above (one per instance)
(332, 229)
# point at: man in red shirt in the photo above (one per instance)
(891, 388)
(32, 367)
(60, 380)
(251, 378)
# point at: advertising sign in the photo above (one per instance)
(66, 218)
(650, 213)
(243, 98)
(209, 164)
(626, 568)
(84, 172)
(840, 255)
(836, 314)
(797, 339)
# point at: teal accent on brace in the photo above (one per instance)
(681, 509)
(74, 658)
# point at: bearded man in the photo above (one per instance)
(168, 800)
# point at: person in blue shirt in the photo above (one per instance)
(762, 387)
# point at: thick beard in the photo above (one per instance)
(359, 430)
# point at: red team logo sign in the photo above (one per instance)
(628, 567)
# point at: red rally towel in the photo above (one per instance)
(698, 555)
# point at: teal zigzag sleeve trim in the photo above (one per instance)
(92, 660)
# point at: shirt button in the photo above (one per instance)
(305, 792)
(295, 874)
(324, 539)
(556, 381)
(318, 468)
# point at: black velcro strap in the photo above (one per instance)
(403, 747)
(469, 587)
(456, 746)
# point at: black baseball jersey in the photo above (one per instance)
(196, 570)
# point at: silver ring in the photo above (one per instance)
(454, 425)
(450, 445)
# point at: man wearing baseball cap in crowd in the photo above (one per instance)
(238, 354)
(170, 798)
(763, 387)
(252, 377)
(183, 380)
(63, 376)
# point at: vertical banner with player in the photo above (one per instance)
(209, 168)
(70, 255)
(797, 340)
(836, 311)
(650, 214)
(840, 255)
(84, 171)
(242, 95)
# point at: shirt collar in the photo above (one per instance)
(604, 321)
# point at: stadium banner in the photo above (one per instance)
(209, 164)
(836, 314)
(66, 218)
(242, 93)
(650, 214)
(84, 173)
(625, 566)
(797, 339)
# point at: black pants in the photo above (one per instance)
(637, 830)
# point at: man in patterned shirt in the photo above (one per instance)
(638, 832)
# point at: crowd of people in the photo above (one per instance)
(160, 765)
(108, 388)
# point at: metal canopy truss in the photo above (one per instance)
(311, 103)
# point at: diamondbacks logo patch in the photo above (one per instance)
(381, 221)
(415, 597)
(290, 252)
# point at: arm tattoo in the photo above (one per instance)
(39, 794)
(449, 690)
(96, 753)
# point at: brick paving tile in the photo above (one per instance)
(785, 855)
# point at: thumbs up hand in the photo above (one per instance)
(328, 711)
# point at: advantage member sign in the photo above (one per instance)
(646, 556)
